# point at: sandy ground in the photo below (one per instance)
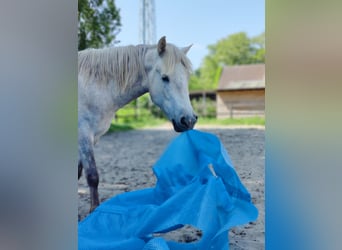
(125, 160)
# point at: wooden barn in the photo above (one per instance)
(241, 91)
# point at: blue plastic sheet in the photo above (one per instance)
(188, 191)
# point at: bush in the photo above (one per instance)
(205, 108)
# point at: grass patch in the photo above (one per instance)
(119, 127)
(138, 123)
(146, 122)
(232, 121)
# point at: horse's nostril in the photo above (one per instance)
(196, 117)
(183, 121)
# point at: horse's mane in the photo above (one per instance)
(124, 64)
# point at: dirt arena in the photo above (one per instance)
(125, 160)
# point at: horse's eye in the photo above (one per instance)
(165, 78)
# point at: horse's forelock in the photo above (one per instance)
(174, 55)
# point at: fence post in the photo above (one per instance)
(204, 104)
(231, 111)
(136, 109)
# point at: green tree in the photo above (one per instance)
(98, 23)
(258, 45)
(235, 49)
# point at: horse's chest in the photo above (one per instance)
(103, 124)
(97, 113)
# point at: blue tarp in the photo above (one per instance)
(188, 192)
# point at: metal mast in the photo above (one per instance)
(147, 25)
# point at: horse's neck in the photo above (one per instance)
(134, 89)
(132, 92)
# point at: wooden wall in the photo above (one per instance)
(240, 103)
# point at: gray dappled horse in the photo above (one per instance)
(110, 78)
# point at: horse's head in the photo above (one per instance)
(168, 75)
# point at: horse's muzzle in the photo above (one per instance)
(185, 123)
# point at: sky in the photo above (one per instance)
(197, 22)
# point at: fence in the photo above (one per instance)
(143, 108)
(238, 110)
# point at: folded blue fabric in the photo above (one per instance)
(196, 185)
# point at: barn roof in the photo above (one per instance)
(242, 77)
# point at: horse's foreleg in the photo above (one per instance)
(93, 182)
(88, 163)
(80, 168)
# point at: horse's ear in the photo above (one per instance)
(161, 45)
(186, 49)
